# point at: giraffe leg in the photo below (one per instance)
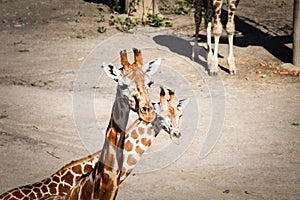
(230, 59)
(230, 28)
(208, 24)
(198, 18)
(210, 53)
(214, 63)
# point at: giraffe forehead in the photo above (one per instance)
(136, 78)
(173, 112)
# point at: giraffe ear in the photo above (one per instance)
(156, 107)
(183, 103)
(151, 67)
(112, 71)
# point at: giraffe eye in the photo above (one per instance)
(143, 109)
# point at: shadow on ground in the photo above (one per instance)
(253, 36)
(183, 47)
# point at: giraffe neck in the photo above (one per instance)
(103, 181)
(139, 137)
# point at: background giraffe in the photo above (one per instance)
(213, 10)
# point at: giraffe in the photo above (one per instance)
(213, 10)
(131, 94)
(139, 137)
(140, 134)
(59, 183)
(103, 181)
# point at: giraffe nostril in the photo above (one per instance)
(176, 134)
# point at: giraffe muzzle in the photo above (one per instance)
(175, 137)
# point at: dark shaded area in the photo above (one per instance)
(251, 36)
(118, 6)
(255, 37)
(182, 47)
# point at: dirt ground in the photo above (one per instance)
(45, 46)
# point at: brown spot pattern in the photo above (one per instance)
(36, 190)
(141, 130)
(139, 150)
(171, 111)
(146, 142)
(39, 195)
(44, 189)
(47, 181)
(131, 160)
(39, 184)
(113, 138)
(128, 146)
(134, 134)
(56, 179)
(217, 5)
(149, 131)
(17, 194)
(26, 191)
(77, 169)
(52, 188)
(32, 196)
(87, 168)
(68, 178)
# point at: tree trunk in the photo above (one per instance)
(296, 45)
(140, 9)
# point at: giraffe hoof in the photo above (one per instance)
(232, 72)
(213, 73)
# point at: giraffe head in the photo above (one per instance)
(133, 82)
(171, 112)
